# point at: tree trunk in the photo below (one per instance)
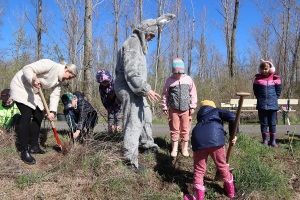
(116, 35)
(88, 57)
(233, 39)
(39, 30)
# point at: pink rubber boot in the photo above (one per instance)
(229, 187)
(111, 128)
(119, 129)
(198, 193)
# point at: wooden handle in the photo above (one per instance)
(243, 94)
(51, 122)
(236, 122)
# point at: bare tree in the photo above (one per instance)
(88, 50)
(72, 17)
(39, 30)
(3, 4)
(157, 60)
(230, 15)
(116, 6)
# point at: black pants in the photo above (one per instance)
(29, 127)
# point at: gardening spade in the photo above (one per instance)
(236, 122)
(51, 122)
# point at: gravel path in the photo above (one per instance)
(163, 129)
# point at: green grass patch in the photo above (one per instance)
(26, 179)
(259, 168)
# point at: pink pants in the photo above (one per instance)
(180, 124)
(218, 155)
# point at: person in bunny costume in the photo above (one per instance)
(267, 89)
(132, 88)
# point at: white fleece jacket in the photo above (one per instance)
(50, 75)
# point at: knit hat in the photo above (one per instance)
(67, 100)
(272, 68)
(5, 94)
(150, 26)
(207, 103)
(103, 75)
(178, 66)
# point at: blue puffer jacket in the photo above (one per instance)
(267, 91)
(209, 131)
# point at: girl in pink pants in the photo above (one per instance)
(208, 139)
(179, 101)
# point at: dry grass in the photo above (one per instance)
(95, 171)
(89, 171)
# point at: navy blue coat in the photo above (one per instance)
(209, 131)
(267, 91)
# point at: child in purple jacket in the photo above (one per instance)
(179, 101)
(109, 100)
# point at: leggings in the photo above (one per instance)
(30, 124)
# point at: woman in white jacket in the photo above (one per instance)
(24, 90)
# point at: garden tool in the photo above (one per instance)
(51, 122)
(236, 122)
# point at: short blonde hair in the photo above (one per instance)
(72, 68)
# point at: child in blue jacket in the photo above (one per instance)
(267, 89)
(208, 139)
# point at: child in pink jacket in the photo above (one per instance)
(179, 101)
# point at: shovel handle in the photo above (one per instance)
(48, 113)
(236, 122)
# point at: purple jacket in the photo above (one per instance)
(109, 98)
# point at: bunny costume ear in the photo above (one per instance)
(272, 68)
(150, 26)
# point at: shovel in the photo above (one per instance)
(236, 122)
(51, 122)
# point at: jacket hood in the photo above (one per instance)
(203, 111)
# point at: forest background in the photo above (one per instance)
(89, 34)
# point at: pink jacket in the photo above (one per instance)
(179, 94)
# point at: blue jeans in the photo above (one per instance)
(267, 120)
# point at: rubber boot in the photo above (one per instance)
(111, 128)
(27, 158)
(174, 151)
(118, 129)
(273, 140)
(199, 192)
(36, 150)
(184, 148)
(229, 187)
(264, 138)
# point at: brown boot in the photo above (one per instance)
(184, 148)
(174, 149)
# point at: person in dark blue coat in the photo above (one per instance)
(208, 139)
(267, 89)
